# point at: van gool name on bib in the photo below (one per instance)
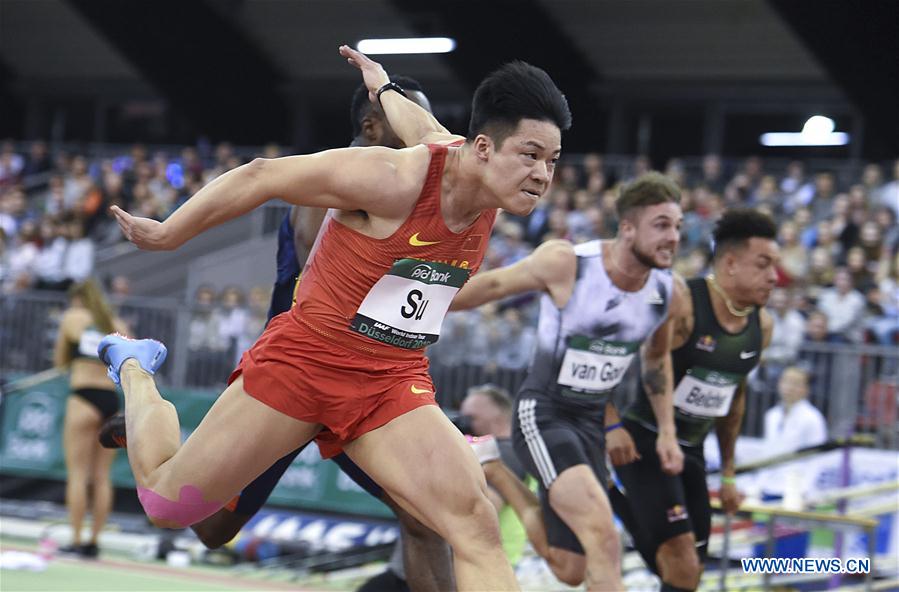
(406, 307)
(593, 365)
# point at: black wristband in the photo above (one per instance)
(389, 86)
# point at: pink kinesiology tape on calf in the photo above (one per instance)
(189, 509)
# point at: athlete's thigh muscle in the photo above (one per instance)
(238, 439)
(420, 457)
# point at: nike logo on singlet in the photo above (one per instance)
(415, 242)
(747, 355)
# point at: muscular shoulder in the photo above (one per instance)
(681, 311)
(554, 260)
(397, 172)
(554, 265)
(555, 251)
(442, 138)
(385, 180)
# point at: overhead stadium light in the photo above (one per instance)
(407, 45)
(817, 131)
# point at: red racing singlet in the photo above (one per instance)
(388, 297)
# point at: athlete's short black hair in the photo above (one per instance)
(361, 106)
(649, 189)
(737, 226)
(514, 92)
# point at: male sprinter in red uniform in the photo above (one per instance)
(346, 365)
(426, 557)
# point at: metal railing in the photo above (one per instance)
(774, 514)
(855, 386)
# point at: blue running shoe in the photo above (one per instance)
(114, 349)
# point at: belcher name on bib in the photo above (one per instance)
(705, 393)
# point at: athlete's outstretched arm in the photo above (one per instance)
(372, 179)
(550, 268)
(727, 429)
(412, 124)
(657, 375)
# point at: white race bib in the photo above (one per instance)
(595, 365)
(406, 307)
(705, 393)
(89, 342)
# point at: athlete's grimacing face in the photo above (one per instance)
(654, 234)
(754, 269)
(520, 171)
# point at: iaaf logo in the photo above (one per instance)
(428, 274)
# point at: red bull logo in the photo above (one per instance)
(706, 343)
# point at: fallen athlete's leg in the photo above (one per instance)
(567, 566)
(523, 501)
(224, 525)
(427, 559)
(426, 465)
(580, 501)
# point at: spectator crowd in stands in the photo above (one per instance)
(54, 207)
(839, 236)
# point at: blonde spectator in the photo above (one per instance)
(825, 238)
(821, 268)
(793, 256)
(766, 193)
(871, 240)
(859, 269)
(93, 400)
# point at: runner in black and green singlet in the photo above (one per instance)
(717, 340)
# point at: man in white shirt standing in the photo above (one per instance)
(794, 423)
(844, 306)
(786, 337)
